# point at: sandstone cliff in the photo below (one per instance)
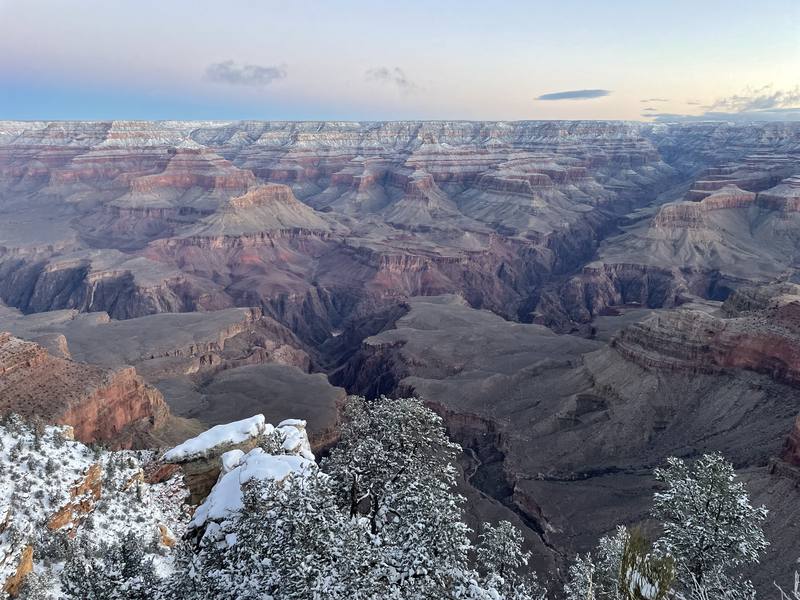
(101, 404)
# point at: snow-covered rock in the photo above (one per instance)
(209, 441)
(295, 438)
(280, 452)
(225, 498)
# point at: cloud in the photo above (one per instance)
(693, 102)
(763, 98)
(660, 116)
(655, 100)
(754, 104)
(649, 109)
(391, 76)
(575, 95)
(230, 72)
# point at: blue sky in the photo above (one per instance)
(261, 59)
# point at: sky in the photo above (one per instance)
(404, 59)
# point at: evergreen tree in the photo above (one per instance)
(710, 527)
(119, 572)
(35, 587)
(290, 540)
(598, 577)
(582, 579)
(393, 467)
(500, 556)
(642, 574)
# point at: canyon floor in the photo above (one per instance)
(578, 300)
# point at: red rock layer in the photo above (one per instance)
(766, 341)
(100, 404)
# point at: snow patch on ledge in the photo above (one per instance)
(219, 435)
(226, 496)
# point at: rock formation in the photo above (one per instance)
(208, 458)
(563, 432)
(101, 404)
(229, 262)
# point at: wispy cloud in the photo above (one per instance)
(763, 98)
(693, 102)
(391, 76)
(655, 100)
(232, 73)
(574, 95)
(753, 104)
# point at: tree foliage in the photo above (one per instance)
(710, 527)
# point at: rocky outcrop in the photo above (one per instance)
(13, 584)
(678, 216)
(101, 404)
(784, 197)
(82, 498)
(601, 286)
(761, 333)
(204, 458)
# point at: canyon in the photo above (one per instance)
(578, 300)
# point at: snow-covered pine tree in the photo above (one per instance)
(582, 579)
(710, 527)
(139, 579)
(35, 587)
(597, 576)
(190, 577)
(393, 467)
(384, 444)
(290, 541)
(643, 575)
(118, 572)
(500, 556)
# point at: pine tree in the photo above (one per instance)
(393, 467)
(642, 574)
(118, 572)
(710, 527)
(582, 579)
(35, 587)
(500, 555)
(291, 541)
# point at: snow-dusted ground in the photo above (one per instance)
(40, 469)
(52, 486)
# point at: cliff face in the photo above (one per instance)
(101, 404)
(759, 336)
(292, 217)
(734, 227)
(121, 403)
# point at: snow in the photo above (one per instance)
(231, 460)
(293, 455)
(295, 440)
(226, 496)
(226, 434)
(38, 473)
